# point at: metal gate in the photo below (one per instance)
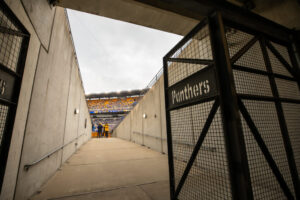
(233, 114)
(13, 49)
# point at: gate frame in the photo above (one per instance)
(230, 101)
(232, 126)
(8, 130)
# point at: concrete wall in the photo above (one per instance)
(149, 131)
(51, 90)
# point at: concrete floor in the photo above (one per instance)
(110, 169)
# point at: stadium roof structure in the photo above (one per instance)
(117, 94)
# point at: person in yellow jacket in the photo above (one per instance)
(106, 129)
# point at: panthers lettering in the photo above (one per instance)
(190, 92)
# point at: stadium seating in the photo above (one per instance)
(112, 105)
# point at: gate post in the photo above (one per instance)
(296, 48)
(233, 133)
(169, 135)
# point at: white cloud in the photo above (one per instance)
(115, 55)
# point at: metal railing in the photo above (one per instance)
(155, 78)
(146, 135)
(27, 166)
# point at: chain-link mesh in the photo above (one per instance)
(253, 79)
(287, 89)
(236, 40)
(246, 82)
(179, 71)
(277, 66)
(253, 57)
(251, 83)
(182, 139)
(208, 177)
(264, 183)
(283, 51)
(264, 113)
(3, 116)
(210, 170)
(10, 44)
(292, 117)
(198, 47)
(6, 22)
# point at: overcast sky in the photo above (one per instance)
(115, 55)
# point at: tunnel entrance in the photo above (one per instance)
(228, 102)
(232, 109)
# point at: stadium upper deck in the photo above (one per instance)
(117, 104)
(112, 107)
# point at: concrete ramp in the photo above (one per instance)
(110, 168)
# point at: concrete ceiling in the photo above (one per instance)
(134, 12)
(284, 12)
(180, 16)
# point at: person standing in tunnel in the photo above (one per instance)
(100, 127)
(106, 129)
